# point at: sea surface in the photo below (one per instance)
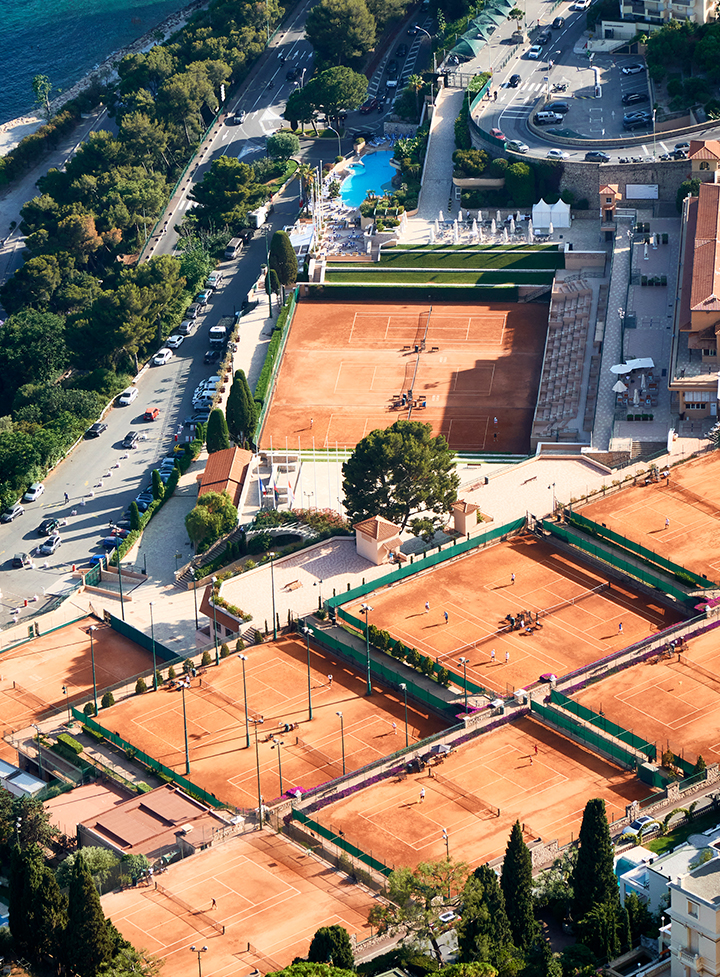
(65, 40)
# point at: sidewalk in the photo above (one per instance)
(437, 186)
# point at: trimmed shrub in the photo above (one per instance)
(71, 743)
(258, 638)
(206, 659)
(140, 686)
(89, 709)
(108, 700)
(224, 650)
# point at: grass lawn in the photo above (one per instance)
(526, 258)
(378, 276)
(669, 841)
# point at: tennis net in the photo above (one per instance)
(198, 913)
(700, 670)
(211, 690)
(320, 759)
(470, 802)
(573, 600)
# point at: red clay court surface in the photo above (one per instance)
(477, 593)
(271, 896)
(546, 791)
(277, 690)
(33, 674)
(668, 702)
(691, 501)
(343, 364)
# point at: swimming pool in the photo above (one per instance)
(374, 173)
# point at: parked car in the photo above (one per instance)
(682, 145)
(561, 107)
(172, 342)
(393, 68)
(534, 52)
(204, 297)
(212, 356)
(580, 5)
(130, 439)
(558, 23)
(111, 543)
(547, 118)
(596, 156)
(143, 501)
(162, 356)
(631, 124)
(632, 98)
(151, 414)
(96, 430)
(48, 526)
(369, 105)
(128, 396)
(34, 492)
(21, 560)
(498, 134)
(644, 823)
(633, 69)
(12, 512)
(50, 545)
(401, 51)
(556, 154)
(514, 81)
(517, 147)
(214, 279)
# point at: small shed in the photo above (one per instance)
(464, 516)
(376, 539)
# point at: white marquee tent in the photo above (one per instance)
(543, 215)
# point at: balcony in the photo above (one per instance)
(690, 959)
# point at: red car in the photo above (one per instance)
(369, 106)
(151, 414)
(498, 134)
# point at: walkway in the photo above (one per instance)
(437, 186)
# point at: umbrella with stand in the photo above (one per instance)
(619, 387)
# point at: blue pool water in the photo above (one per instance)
(374, 173)
(622, 866)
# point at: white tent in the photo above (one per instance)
(642, 363)
(544, 214)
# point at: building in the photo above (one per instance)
(377, 540)
(704, 159)
(660, 12)
(647, 875)
(225, 471)
(695, 922)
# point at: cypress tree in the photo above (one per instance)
(241, 412)
(20, 925)
(272, 282)
(51, 914)
(542, 962)
(217, 438)
(593, 878)
(484, 932)
(158, 488)
(283, 259)
(516, 884)
(88, 942)
(331, 944)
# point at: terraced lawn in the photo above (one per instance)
(380, 276)
(512, 257)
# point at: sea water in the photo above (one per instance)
(65, 40)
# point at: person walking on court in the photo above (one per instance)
(512, 578)
(620, 628)
(507, 657)
(495, 421)
(394, 729)
(427, 606)
(492, 656)
(312, 421)
(536, 749)
(446, 616)
(422, 794)
(213, 905)
(667, 522)
(329, 681)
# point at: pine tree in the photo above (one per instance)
(484, 932)
(516, 884)
(541, 961)
(88, 941)
(331, 944)
(283, 259)
(593, 878)
(20, 925)
(217, 433)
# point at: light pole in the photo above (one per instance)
(279, 744)
(66, 693)
(152, 638)
(256, 723)
(342, 738)
(464, 663)
(365, 609)
(92, 659)
(199, 951)
(553, 497)
(307, 632)
(217, 653)
(328, 126)
(243, 659)
(187, 752)
(432, 86)
(404, 688)
(446, 839)
(197, 623)
(37, 730)
(272, 583)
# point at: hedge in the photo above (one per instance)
(70, 742)
(263, 383)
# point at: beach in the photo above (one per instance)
(16, 129)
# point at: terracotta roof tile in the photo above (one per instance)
(709, 149)
(377, 528)
(462, 506)
(225, 472)
(705, 291)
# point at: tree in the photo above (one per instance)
(340, 31)
(213, 517)
(399, 471)
(32, 350)
(99, 862)
(303, 969)
(129, 961)
(42, 86)
(24, 819)
(240, 410)
(272, 282)
(520, 184)
(283, 145)
(553, 887)
(158, 486)
(88, 942)
(331, 944)
(688, 188)
(593, 879)
(639, 917)
(517, 15)
(227, 192)
(300, 108)
(134, 516)
(484, 932)
(516, 883)
(217, 438)
(415, 84)
(283, 259)
(336, 88)
(541, 961)
(605, 929)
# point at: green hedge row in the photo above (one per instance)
(341, 292)
(526, 258)
(266, 374)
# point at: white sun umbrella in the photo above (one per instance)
(636, 396)
(619, 387)
(456, 235)
(460, 215)
(474, 228)
(505, 235)
(512, 225)
(643, 381)
(432, 234)
(479, 216)
(497, 216)
(550, 228)
(440, 216)
(481, 235)
(493, 226)
(437, 226)
(530, 235)
(619, 368)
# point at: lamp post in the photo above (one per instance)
(307, 632)
(92, 659)
(464, 663)
(152, 639)
(256, 723)
(272, 583)
(365, 609)
(243, 659)
(66, 693)
(183, 686)
(37, 730)
(279, 744)
(197, 623)
(404, 688)
(217, 653)
(199, 951)
(446, 839)
(327, 126)
(553, 496)
(342, 738)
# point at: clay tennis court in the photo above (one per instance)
(344, 364)
(672, 703)
(33, 674)
(271, 898)
(493, 772)
(690, 500)
(277, 691)
(477, 592)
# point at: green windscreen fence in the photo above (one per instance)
(645, 575)
(145, 641)
(604, 724)
(593, 739)
(596, 529)
(340, 842)
(149, 761)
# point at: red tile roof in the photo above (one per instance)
(377, 528)
(225, 472)
(462, 506)
(707, 149)
(705, 291)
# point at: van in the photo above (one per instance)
(185, 328)
(547, 118)
(234, 245)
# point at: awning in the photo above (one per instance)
(644, 363)
(620, 368)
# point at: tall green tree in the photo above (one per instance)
(283, 259)
(335, 89)
(516, 883)
(605, 929)
(399, 471)
(24, 819)
(42, 86)
(283, 145)
(240, 410)
(217, 438)
(340, 31)
(213, 517)
(228, 191)
(484, 932)
(593, 878)
(88, 940)
(541, 961)
(331, 944)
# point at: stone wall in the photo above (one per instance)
(585, 179)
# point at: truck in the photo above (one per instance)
(256, 218)
(221, 332)
(234, 245)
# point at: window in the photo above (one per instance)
(709, 352)
(696, 406)
(692, 909)
(704, 165)
(608, 200)
(696, 396)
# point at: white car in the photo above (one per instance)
(34, 492)
(516, 146)
(643, 823)
(556, 154)
(162, 356)
(633, 69)
(580, 5)
(535, 52)
(128, 396)
(174, 341)
(214, 279)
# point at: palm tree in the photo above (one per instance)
(305, 173)
(416, 85)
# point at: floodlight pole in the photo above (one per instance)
(152, 638)
(187, 752)
(279, 744)
(365, 609)
(243, 659)
(464, 663)
(92, 659)
(342, 738)
(257, 722)
(307, 632)
(403, 686)
(217, 653)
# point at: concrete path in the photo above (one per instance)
(437, 186)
